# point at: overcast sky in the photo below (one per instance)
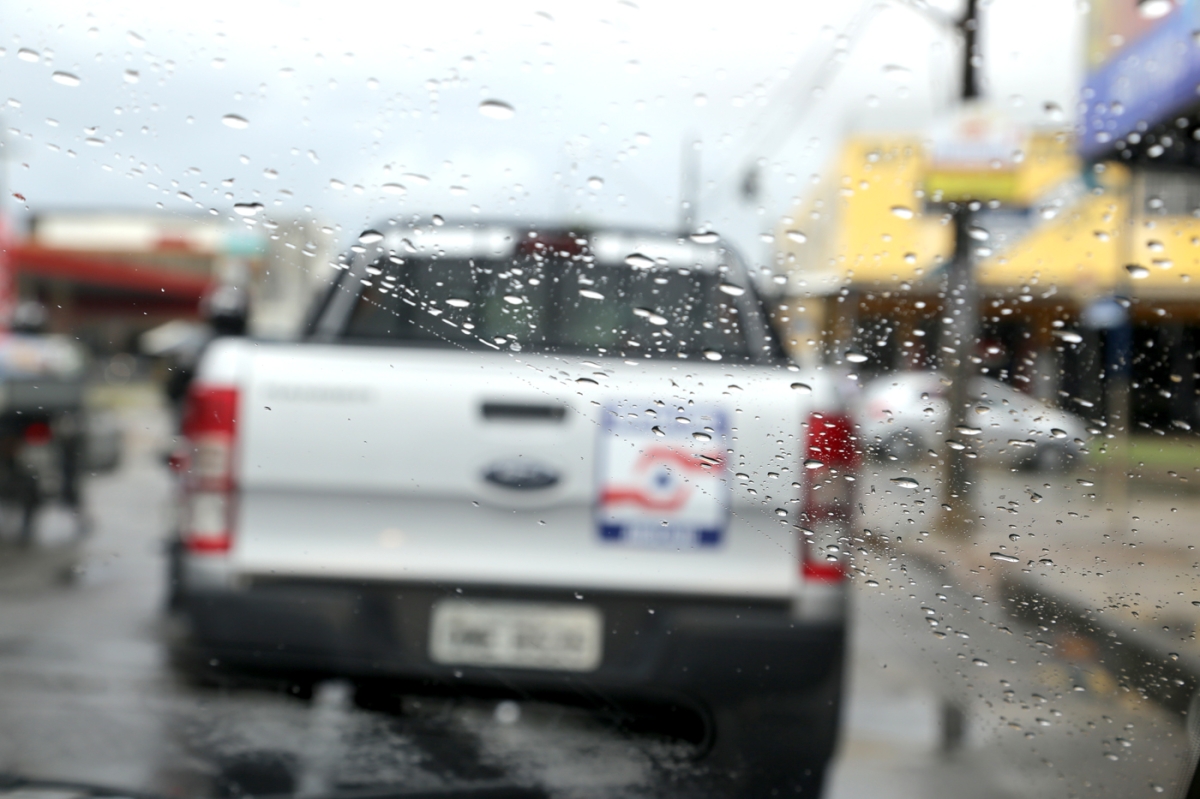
(360, 110)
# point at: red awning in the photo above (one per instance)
(103, 270)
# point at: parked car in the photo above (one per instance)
(904, 416)
(557, 463)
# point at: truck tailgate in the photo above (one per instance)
(478, 467)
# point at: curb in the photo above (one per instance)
(1145, 662)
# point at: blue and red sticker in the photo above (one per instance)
(663, 483)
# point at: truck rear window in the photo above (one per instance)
(555, 306)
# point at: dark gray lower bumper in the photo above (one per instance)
(696, 651)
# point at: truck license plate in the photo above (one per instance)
(516, 634)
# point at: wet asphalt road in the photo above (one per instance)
(977, 704)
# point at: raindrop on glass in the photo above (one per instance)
(236, 122)
(370, 237)
(496, 109)
(902, 211)
(65, 79)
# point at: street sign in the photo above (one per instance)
(974, 155)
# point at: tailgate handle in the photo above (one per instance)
(518, 411)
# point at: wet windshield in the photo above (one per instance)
(611, 399)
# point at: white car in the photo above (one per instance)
(904, 416)
(537, 462)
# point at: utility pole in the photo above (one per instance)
(960, 323)
(689, 184)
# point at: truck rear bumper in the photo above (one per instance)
(689, 650)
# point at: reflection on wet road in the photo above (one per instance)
(949, 695)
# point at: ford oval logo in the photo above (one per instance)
(521, 474)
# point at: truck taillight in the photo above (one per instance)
(209, 482)
(830, 465)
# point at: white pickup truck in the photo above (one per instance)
(531, 461)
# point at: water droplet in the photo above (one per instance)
(781, 513)
(712, 355)
(271, 174)
(437, 220)
(25, 54)
(1153, 9)
(132, 76)
(236, 122)
(796, 236)
(855, 357)
(1034, 497)
(963, 430)
(1014, 536)
(906, 482)
(639, 261)
(658, 431)
(803, 388)
(813, 463)
(247, 209)
(65, 79)
(897, 72)
(705, 237)
(873, 583)
(1043, 722)
(978, 233)
(591, 295)
(508, 712)
(513, 299)
(336, 184)
(456, 302)
(979, 662)
(370, 237)
(1069, 336)
(496, 109)
(732, 290)
(587, 381)
(183, 195)
(1085, 483)
(902, 211)
(1137, 271)
(700, 99)
(393, 188)
(595, 183)
(135, 39)
(1111, 756)
(1006, 558)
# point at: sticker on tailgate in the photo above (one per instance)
(663, 482)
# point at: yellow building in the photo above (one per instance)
(865, 255)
